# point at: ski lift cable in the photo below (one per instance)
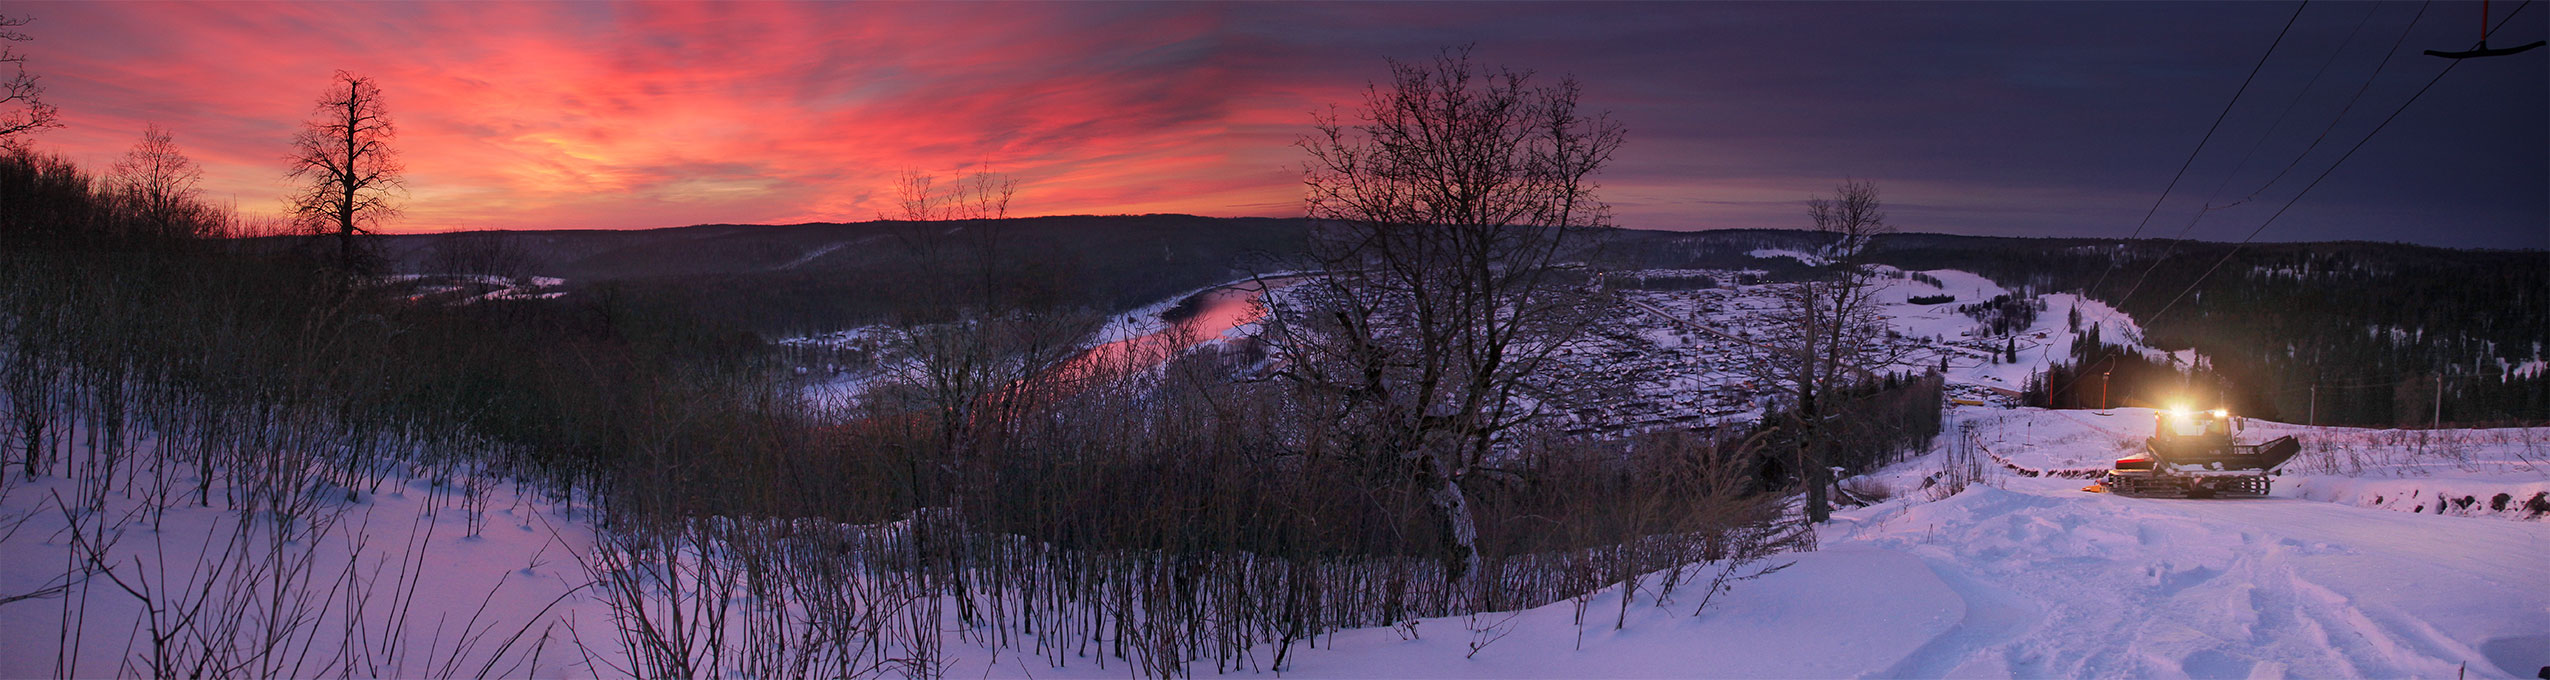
(2315, 182)
(2112, 262)
(2209, 207)
(2208, 138)
(2324, 174)
(2483, 50)
(2297, 159)
(2293, 105)
(2350, 104)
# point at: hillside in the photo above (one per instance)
(2031, 577)
(2010, 576)
(804, 278)
(2385, 323)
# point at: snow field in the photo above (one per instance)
(2031, 577)
(2077, 584)
(390, 584)
(2459, 472)
(2013, 577)
(2043, 343)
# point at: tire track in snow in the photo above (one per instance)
(1994, 618)
(2064, 584)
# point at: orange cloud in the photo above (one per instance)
(627, 115)
(2015, 118)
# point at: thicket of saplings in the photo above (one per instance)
(155, 366)
(1159, 515)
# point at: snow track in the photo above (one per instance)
(1994, 618)
(2062, 583)
(2038, 579)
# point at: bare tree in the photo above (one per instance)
(1827, 334)
(1445, 216)
(983, 195)
(914, 196)
(973, 335)
(349, 172)
(22, 107)
(157, 179)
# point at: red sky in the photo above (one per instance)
(642, 115)
(2018, 119)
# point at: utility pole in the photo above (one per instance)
(2102, 388)
(2439, 401)
(2315, 405)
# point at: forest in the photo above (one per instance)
(2337, 333)
(1165, 505)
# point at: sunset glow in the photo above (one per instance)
(617, 115)
(624, 115)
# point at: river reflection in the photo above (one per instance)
(1203, 318)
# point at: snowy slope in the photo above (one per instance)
(2063, 583)
(390, 584)
(2500, 472)
(2017, 577)
(2037, 579)
(2032, 577)
(2351, 569)
(2366, 562)
(2043, 343)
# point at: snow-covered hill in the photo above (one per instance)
(2381, 553)
(2032, 577)
(2039, 580)
(2015, 576)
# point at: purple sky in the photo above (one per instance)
(2034, 119)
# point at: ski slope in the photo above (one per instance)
(2022, 577)
(2057, 582)
(2014, 577)
(2041, 580)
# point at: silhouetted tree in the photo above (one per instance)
(983, 195)
(349, 171)
(1827, 335)
(159, 183)
(914, 197)
(22, 107)
(1445, 216)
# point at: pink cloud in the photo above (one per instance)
(617, 115)
(634, 115)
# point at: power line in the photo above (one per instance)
(2296, 102)
(2209, 207)
(2350, 103)
(2324, 174)
(2113, 262)
(2209, 135)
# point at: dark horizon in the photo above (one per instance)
(2083, 237)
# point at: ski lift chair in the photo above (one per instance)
(2483, 50)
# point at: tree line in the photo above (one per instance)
(2336, 333)
(1361, 462)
